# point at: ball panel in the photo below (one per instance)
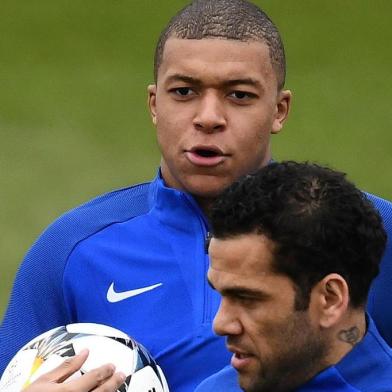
(163, 379)
(18, 371)
(43, 336)
(145, 380)
(105, 350)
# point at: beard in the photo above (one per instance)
(298, 355)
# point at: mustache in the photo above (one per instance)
(234, 342)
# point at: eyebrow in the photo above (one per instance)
(183, 78)
(245, 81)
(238, 290)
(227, 83)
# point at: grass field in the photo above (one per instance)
(73, 118)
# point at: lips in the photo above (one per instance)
(240, 359)
(205, 155)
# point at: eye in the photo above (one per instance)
(242, 96)
(247, 300)
(250, 300)
(182, 91)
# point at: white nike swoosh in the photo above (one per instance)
(113, 296)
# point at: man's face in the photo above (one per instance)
(275, 348)
(215, 106)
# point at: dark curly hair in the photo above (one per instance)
(320, 222)
(227, 19)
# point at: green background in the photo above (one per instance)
(73, 115)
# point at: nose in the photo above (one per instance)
(210, 116)
(226, 323)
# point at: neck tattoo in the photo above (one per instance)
(350, 336)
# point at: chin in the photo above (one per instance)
(246, 384)
(207, 188)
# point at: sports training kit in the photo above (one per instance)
(135, 259)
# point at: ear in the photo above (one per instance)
(151, 101)
(282, 110)
(329, 300)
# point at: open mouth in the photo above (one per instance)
(205, 156)
(241, 360)
(206, 153)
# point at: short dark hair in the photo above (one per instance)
(318, 220)
(228, 19)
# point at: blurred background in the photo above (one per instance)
(73, 114)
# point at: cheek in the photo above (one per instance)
(167, 132)
(254, 135)
(251, 153)
(266, 329)
(258, 325)
(171, 123)
(165, 139)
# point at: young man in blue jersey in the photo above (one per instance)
(135, 258)
(294, 250)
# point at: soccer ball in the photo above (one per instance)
(105, 345)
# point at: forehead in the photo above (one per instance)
(243, 255)
(216, 58)
(244, 263)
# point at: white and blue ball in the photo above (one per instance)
(105, 345)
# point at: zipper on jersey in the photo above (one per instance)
(207, 242)
(207, 308)
(207, 316)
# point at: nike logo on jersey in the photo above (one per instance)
(113, 296)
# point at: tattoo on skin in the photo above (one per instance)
(350, 336)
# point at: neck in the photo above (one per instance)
(347, 335)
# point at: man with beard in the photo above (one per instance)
(294, 250)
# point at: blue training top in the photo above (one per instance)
(379, 300)
(86, 265)
(366, 368)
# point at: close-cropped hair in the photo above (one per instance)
(319, 222)
(225, 19)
